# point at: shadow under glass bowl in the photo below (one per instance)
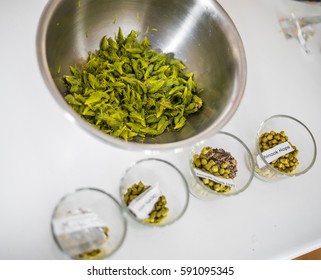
(198, 32)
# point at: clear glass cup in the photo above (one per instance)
(298, 135)
(88, 224)
(244, 164)
(162, 178)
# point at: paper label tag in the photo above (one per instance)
(274, 153)
(80, 232)
(77, 222)
(143, 204)
(223, 181)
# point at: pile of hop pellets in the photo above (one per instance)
(95, 253)
(286, 163)
(159, 211)
(217, 162)
(83, 237)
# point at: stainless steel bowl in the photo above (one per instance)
(199, 32)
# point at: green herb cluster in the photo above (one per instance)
(128, 90)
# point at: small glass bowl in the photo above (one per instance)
(88, 224)
(298, 135)
(245, 167)
(163, 176)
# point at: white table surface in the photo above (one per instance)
(43, 155)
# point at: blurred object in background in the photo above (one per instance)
(311, 2)
(300, 28)
(314, 255)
